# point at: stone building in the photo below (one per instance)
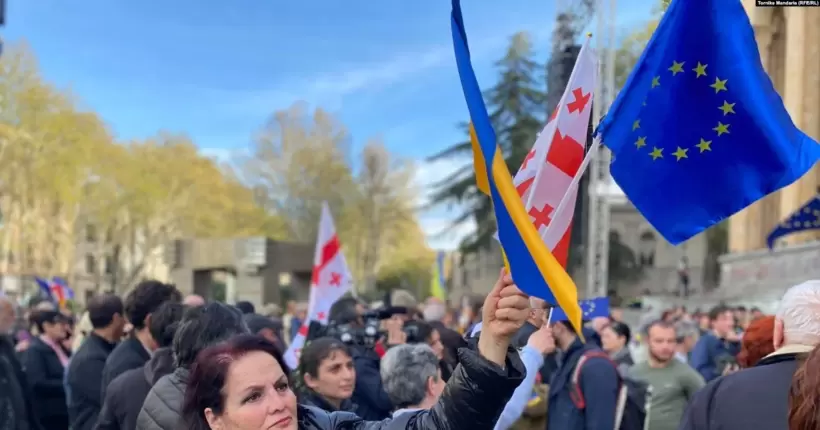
(652, 256)
(788, 43)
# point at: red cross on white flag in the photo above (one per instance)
(330, 280)
(547, 173)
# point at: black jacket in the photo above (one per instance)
(373, 403)
(44, 373)
(753, 398)
(308, 397)
(85, 381)
(473, 399)
(127, 392)
(129, 354)
(15, 394)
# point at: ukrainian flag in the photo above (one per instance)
(437, 283)
(534, 268)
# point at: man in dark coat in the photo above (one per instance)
(135, 350)
(15, 397)
(84, 375)
(127, 392)
(758, 397)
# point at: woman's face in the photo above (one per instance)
(335, 378)
(610, 341)
(57, 331)
(257, 396)
(436, 345)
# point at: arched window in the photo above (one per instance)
(646, 249)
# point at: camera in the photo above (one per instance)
(365, 333)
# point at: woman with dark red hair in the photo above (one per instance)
(757, 342)
(243, 383)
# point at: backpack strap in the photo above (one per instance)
(575, 393)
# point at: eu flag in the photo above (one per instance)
(592, 308)
(807, 217)
(698, 132)
(533, 267)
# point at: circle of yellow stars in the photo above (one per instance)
(705, 143)
(806, 224)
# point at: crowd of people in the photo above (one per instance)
(156, 360)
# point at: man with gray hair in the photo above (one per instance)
(758, 397)
(411, 377)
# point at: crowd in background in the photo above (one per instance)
(129, 364)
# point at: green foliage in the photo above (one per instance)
(516, 104)
(61, 171)
(303, 159)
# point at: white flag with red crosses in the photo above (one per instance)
(330, 280)
(547, 173)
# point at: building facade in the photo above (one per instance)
(787, 39)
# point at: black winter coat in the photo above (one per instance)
(44, 373)
(473, 399)
(85, 381)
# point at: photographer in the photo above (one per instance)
(369, 396)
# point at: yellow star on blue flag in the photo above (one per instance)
(805, 218)
(714, 134)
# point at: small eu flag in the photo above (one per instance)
(698, 132)
(591, 308)
(807, 217)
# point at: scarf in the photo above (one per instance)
(57, 349)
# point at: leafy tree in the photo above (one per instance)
(301, 161)
(516, 104)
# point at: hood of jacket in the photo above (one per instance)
(160, 364)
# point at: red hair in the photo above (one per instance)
(758, 341)
(804, 395)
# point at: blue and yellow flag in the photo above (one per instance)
(534, 269)
(437, 281)
(806, 218)
(698, 132)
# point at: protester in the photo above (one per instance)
(424, 332)
(45, 362)
(757, 342)
(473, 399)
(136, 349)
(246, 307)
(715, 352)
(757, 397)
(15, 394)
(615, 339)
(266, 327)
(539, 344)
(200, 328)
(327, 375)
(672, 382)
(127, 392)
(412, 378)
(598, 383)
(369, 396)
(804, 395)
(193, 300)
(687, 334)
(84, 376)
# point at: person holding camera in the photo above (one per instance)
(371, 401)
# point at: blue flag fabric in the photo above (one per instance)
(591, 308)
(698, 132)
(533, 267)
(807, 217)
(45, 288)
